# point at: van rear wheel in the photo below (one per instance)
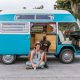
(8, 59)
(66, 56)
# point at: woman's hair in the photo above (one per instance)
(38, 43)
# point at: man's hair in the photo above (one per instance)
(44, 38)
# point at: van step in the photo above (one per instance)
(51, 53)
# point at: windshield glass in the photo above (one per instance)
(67, 28)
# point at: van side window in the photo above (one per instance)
(14, 28)
(24, 17)
(48, 17)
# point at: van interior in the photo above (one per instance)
(71, 33)
(38, 30)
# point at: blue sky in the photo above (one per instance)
(18, 4)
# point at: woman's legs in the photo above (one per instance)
(29, 65)
(41, 65)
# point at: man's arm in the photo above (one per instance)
(49, 43)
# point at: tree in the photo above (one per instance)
(24, 7)
(40, 7)
(63, 4)
(70, 5)
(0, 10)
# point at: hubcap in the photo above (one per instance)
(67, 56)
(8, 58)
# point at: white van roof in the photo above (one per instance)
(34, 11)
(56, 15)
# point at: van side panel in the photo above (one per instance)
(60, 46)
(55, 18)
(14, 43)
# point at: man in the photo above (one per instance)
(45, 44)
(36, 59)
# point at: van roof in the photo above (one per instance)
(34, 11)
(55, 15)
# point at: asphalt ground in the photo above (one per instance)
(56, 71)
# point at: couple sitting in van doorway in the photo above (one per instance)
(37, 57)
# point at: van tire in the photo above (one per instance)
(8, 59)
(66, 56)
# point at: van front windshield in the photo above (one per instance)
(67, 28)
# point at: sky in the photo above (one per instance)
(19, 4)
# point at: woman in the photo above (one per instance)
(36, 59)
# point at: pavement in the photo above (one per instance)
(56, 71)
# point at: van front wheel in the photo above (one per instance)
(8, 59)
(66, 56)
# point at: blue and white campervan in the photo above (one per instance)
(20, 29)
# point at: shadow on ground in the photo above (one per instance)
(51, 60)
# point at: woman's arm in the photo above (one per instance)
(31, 59)
(42, 58)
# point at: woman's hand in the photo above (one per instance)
(34, 66)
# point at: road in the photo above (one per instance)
(56, 71)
